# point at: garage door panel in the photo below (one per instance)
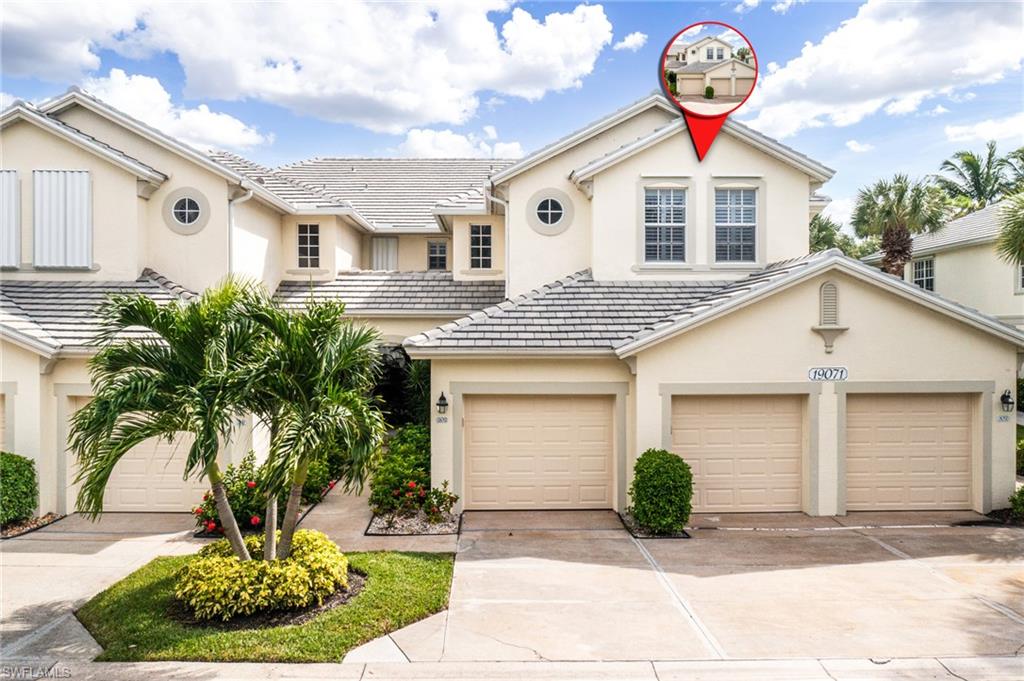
(908, 451)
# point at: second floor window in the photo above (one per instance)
(923, 273)
(735, 225)
(710, 53)
(721, 54)
(309, 246)
(437, 255)
(62, 218)
(480, 247)
(664, 225)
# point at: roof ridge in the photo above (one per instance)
(179, 291)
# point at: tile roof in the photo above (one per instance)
(394, 193)
(699, 66)
(296, 193)
(413, 293)
(63, 313)
(980, 226)
(575, 313)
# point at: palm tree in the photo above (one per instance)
(187, 373)
(978, 180)
(743, 54)
(1010, 243)
(896, 209)
(1014, 167)
(317, 373)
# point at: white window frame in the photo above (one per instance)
(437, 249)
(663, 227)
(308, 245)
(195, 208)
(720, 54)
(548, 207)
(709, 53)
(926, 279)
(481, 247)
(735, 220)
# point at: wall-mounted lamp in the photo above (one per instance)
(442, 404)
(1007, 401)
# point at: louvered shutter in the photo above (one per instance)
(10, 222)
(384, 253)
(62, 218)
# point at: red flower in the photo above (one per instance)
(422, 493)
(397, 492)
(197, 511)
(330, 485)
(250, 484)
(255, 520)
(408, 494)
(206, 497)
(211, 526)
(412, 484)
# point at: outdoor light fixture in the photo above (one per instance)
(442, 404)
(1006, 400)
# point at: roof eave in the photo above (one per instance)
(26, 341)
(421, 352)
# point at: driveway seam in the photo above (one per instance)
(705, 634)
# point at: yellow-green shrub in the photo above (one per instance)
(215, 584)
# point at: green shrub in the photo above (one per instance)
(1020, 457)
(19, 488)
(318, 481)
(709, 92)
(1017, 505)
(215, 584)
(661, 492)
(401, 483)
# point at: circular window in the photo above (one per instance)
(549, 211)
(186, 210)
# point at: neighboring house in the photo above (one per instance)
(960, 262)
(709, 62)
(652, 301)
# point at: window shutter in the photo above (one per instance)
(384, 253)
(829, 304)
(10, 223)
(62, 217)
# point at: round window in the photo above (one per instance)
(186, 210)
(550, 211)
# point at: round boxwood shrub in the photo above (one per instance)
(661, 491)
(19, 492)
(1017, 505)
(215, 584)
(709, 92)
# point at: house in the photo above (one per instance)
(604, 295)
(960, 262)
(709, 62)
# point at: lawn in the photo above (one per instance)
(130, 618)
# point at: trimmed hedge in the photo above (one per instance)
(19, 491)
(661, 491)
(215, 584)
(1017, 505)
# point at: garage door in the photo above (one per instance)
(690, 86)
(908, 452)
(723, 87)
(744, 86)
(148, 478)
(538, 451)
(745, 451)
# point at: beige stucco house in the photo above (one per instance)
(960, 262)
(709, 62)
(604, 295)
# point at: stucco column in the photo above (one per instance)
(732, 85)
(827, 467)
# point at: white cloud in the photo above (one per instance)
(959, 98)
(426, 143)
(885, 59)
(1009, 128)
(839, 210)
(937, 111)
(384, 66)
(859, 147)
(490, 132)
(144, 98)
(746, 6)
(632, 42)
(783, 6)
(6, 99)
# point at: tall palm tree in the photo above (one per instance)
(1010, 243)
(315, 391)
(187, 373)
(1014, 167)
(896, 209)
(979, 180)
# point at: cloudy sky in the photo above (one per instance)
(868, 88)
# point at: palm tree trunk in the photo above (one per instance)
(224, 512)
(270, 525)
(291, 511)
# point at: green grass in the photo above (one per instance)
(130, 618)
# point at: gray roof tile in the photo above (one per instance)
(294, 192)
(980, 226)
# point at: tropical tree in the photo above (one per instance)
(1014, 167)
(187, 372)
(976, 179)
(1010, 243)
(826, 233)
(895, 210)
(743, 54)
(317, 373)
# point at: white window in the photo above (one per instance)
(384, 253)
(437, 255)
(664, 225)
(1020, 279)
(186, 210)
(550, 211)
(62, 218)
(480, 247)
(10, 222)
(924, 273)
(710, 53)
(309, 246)
(735, 225)
(721, 54)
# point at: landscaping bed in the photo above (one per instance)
(629, 522)
(134, 619)
(418, 524)
(20, 527)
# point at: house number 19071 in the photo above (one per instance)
(827, 373)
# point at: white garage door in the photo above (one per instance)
(538, 451)
(690, 86)
(723, 87)
(148, 478)
(745, 451)
(907, 452)
(744, 86)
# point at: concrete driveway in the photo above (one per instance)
(47, 574)
(575, 586)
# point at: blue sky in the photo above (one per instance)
(883, 92)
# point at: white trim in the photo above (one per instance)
(876, 257)
(27, 341)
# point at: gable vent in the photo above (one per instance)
(829, 304)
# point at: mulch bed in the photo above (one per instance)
(25, 526)
(640, 533)
(276, 618)
(1000, 517)
(396, 525)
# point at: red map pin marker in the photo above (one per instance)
(709, 69)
